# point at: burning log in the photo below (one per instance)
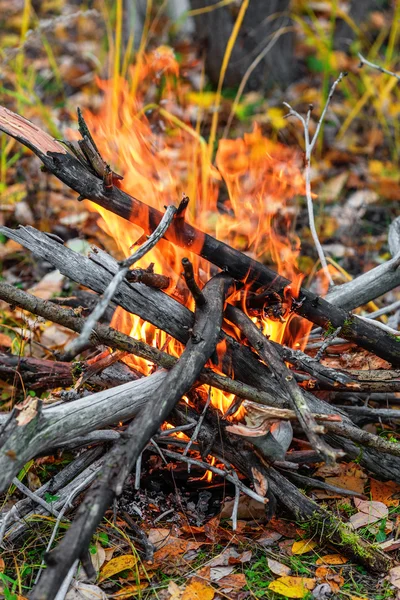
(88, 185)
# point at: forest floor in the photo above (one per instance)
(66, 62)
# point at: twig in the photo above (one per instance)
(327, 342)
(62, 592)
(124, 454)
(198, 426)
(22, 488)
(309, 146)
(380, 325)
(118, 340)
(191, 282)
(364, 61)
(138, 468)
(80, 342)
(384, 310)
(304, 481)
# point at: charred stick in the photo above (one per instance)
(74, 174)
(125, 453)
(188, 274)
(299, 403)
(148, 277)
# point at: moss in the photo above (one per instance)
(329, 329)
(347, 325)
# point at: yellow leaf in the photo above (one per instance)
(292, 587)
(275, 116)
(303, 546)
(332, 559)
(116, 565)
(202, 99)
(197, 590)
(130, 590)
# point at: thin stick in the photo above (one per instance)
(327, 342)
(309, 146)
(364, 61)
(188, 274)
(138, 469)
(198, 426)
(22, 488)
(80, 342)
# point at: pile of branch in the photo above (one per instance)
(272, 393)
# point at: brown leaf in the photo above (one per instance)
(278, 568)
(230, 582)
(383, 492)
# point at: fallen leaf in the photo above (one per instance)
(230, 556)
(383, 492)
(248, 509)
(278, 568)
(5, 340)
(198, 590)
(130, 590)
(394, 576)
(233, 582)
(49, 286)
(217, 573)
(98, 557)
(329, 576)
(332, 559)
(303, 546)
(174, 590)
(2, 565)
(84, 591)
(348, 482)
(370, 511)
(269, 537)
(116, 565)
(292, 587)
(260, 481)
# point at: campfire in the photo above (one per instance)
(211, 317)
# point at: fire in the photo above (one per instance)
(246, 200)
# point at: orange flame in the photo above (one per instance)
(247, 200)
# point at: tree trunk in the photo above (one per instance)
(262, 20)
